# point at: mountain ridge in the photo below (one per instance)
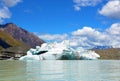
(21, 34)
(16, 41)
(101, 47)
(7, 40)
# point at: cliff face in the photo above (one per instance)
(21, 34)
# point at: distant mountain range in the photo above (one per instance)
(102, 47)
(12, 35)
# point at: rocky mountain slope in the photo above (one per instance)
(7, 41)
(21, 34)
(15, 41)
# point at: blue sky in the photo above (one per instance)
(83, 22)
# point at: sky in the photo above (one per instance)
(86, 23)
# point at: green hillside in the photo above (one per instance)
(9, 40)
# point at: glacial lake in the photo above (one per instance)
(60, 70)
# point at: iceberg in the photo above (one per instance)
(59, 51)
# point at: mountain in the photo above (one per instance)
(7, 41)
(111, 53)
(21, 34)
(102, 47)
(15, 41)
(9, 46)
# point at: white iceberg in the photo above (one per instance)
(59, 51)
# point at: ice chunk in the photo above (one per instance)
(59, 51)
(31, 57)
(89, 55)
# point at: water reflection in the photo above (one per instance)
(57, 70)
(12, 71)
(44, 70)
(73, 71)
(111, 68)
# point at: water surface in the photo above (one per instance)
(60, 70)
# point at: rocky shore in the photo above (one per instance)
(13, 53)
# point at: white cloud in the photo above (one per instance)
(91, 36)
(88, 36)
(84, 3)
(11, 3)
(4, 8)
(114, 29)
(86, 31)
(77, 8)
(50, 37)
(4, 13)
(114, 34)
(111, 9)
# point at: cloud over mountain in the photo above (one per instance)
(4, 13)
(88, 36)
(57, 37)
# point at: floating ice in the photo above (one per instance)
(59, 51)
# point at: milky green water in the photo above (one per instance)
(56, 70)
